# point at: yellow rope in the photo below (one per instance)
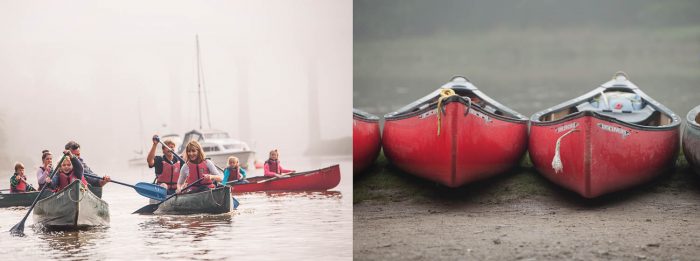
(444, 93)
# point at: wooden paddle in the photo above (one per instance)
(148, 190)
(18, 230)
(150, 208)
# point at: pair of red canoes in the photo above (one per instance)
(609, 139)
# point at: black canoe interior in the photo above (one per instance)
(647, 115)
(464, 93)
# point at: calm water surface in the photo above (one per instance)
(266, 226)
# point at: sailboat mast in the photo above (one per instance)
(199, 84)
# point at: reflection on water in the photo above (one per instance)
(266, 226)
(70, 244)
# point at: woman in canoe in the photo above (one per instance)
(71, 169)
(167, 167)
(43, 173)
(18, 182)
(273, 167)
(234, 174)
(197, 167)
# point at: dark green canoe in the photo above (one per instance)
(72, 207)
(26, 199)
(214, 201)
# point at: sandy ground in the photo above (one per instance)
(520, 215)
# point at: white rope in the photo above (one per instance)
(214, 199)
(557, 165)
(80, 197)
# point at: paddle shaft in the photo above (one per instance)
(20, 226)
(120, 183)
(175, 194)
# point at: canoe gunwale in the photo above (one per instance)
(364, 116)
(581, 114)
(458, 84)
(692, 116)
(457, 99)
(612, 85)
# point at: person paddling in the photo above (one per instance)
(71, 169)
(18, 182)
(273, 167)
(234, 174)
(74, 148)
(197, 167)
(167, 167)
(44, 171)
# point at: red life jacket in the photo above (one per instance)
(21, 186)
(197, 171)
(65, 179)
(170, 174)
(234, 172)
(273, 165)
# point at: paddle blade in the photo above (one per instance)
(151, 191)
(235, 203)
(18, 230)
(147, 209)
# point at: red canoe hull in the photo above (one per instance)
(603, 155)
(470, 147)
(315, 180)
(365, 143)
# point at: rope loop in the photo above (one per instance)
(557, 165)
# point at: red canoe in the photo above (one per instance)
(315, 180)
(691, 139)
(365, 140)
(474, 138)
(609, 139)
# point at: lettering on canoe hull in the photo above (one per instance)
(427, 114)
(485, 117)
(614, 129)
(566, 127)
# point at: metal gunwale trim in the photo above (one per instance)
(363, 115)
(612, 84)
(690, 118)
(452, 100)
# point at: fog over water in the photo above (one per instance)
(109, 75)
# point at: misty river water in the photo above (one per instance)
(266, 226)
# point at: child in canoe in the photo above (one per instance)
(71, 169)
(196, 168)
(43, 173)
(273, 167)
(234, 174)
(18, 182)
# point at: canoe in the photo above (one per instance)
(314, 180)
(365, 140)
(691, 139)
(215, 201)
(472, 137)
(73, 207)
(26, 199)
(611, 138)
